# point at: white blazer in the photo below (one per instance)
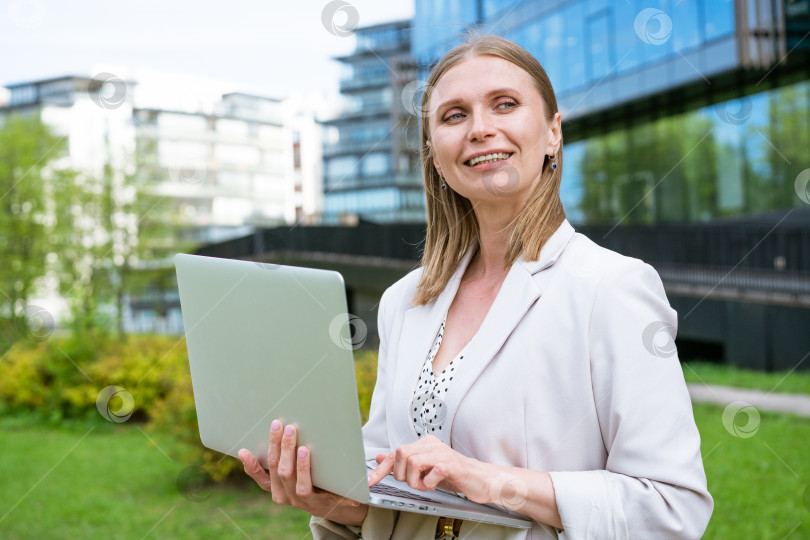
(563, 376)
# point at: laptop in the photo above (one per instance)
(269, 341)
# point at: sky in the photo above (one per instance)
(272, 47)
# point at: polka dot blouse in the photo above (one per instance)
(428, 410)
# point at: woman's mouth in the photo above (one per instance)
(488, 158)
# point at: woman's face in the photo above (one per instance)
(488, 130)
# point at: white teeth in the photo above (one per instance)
(488, 158)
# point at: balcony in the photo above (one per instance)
(356, 147)
(353, 181)
(362, 83)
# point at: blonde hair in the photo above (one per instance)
(451, 224)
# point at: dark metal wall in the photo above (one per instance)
(741, 288)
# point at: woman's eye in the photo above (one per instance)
(507, 105)
(454, 116)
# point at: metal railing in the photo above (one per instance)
(734, 245)
(758, 258)
(738, 280)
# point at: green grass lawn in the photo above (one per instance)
(760, 484)
(112, 482)
(796, 382)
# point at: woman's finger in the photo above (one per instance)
(286, 463)
(273, 459)
(416, 464)
(401, 462)
(383, 469)
(303, 477)
(254, 469)
(436, 475)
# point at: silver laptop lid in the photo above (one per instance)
(270, 341)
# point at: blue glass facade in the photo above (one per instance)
(670, 111)
(579, 43)
(737, 157)
(610, 39)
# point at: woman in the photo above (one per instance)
(555, 395)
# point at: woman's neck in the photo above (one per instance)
(486, 264)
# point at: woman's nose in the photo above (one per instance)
(481, 126)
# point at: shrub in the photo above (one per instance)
(63, 376)
(365, 367)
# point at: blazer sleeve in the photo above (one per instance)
(653, 485)
(379, 522)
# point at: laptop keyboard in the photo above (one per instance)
(384, 489)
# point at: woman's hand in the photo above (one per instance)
(289, 479)
(429, 463)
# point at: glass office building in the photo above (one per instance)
(370, 161)
(672, 111)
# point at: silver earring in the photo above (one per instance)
(554, 161)
(444, 184)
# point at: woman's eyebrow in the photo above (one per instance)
(455, 101)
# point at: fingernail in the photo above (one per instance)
(288, 431)
(302, 452)
(276, 425)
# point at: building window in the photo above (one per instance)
(719, 18)
(599, 42)
(376, 164)
(339, 167)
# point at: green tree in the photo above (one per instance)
(28, 150)
(788, 134)
(115, 230)
(653, 172)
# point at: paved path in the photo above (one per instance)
(723, 395)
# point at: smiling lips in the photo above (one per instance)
(488, 158)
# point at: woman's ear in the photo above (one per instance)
(555, 134)
(435, 161)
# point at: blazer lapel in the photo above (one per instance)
(518, 293)
(421, 325)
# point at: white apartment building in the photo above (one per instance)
(229, 170)
(228, 161)
(228, 164)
